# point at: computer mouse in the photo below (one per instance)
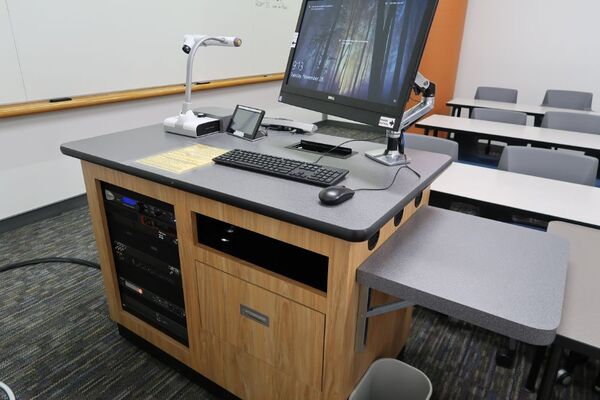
(334, 195)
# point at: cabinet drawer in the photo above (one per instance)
(278, 331)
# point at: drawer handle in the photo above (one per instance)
(254, 315)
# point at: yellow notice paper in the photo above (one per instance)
(184, 159)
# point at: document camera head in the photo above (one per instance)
(189, 41)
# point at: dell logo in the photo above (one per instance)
(331, 98)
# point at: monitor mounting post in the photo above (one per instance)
(394, 153)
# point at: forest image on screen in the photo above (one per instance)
(357, 48)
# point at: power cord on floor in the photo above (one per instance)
(6, 389)
(47, 260)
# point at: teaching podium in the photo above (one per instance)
(268, 273)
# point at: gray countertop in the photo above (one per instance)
(290, 201)
(502, 277)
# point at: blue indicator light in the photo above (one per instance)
(128, 201)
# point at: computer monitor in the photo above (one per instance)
(357, 59)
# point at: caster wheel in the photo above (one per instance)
(505, 359)
(564, 377)
(596, 388)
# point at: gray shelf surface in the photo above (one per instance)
(505, 278)
(355, 220)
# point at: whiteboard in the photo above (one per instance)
(75, 47)
(11, 82)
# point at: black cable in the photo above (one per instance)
(3, 386)
(47, 260)
(348, 141)
(392, 182)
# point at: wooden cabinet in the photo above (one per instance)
(307, 350)
(286, 335)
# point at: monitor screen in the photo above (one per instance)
(357, 58)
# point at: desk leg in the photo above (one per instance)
(455, 111)
(536, 365)
(505, 358)
(537, 120)
(364, 297)
(426, 131)
(549, 378)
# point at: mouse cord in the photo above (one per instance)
(370, 139)
(392, 182)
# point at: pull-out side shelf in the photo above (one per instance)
(501, 277)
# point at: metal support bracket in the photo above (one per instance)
(365, 311)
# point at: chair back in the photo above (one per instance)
(551, 164)
(505, 116)
(496, 94)
(574, 122)
(432, 144)
(569, 99)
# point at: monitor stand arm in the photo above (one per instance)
(394, 153)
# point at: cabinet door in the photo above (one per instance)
(276, 330)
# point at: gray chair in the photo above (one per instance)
(491, 94)
(550, 164)
(496, 94)
(568, 99)
(508, 117)
(568, 121)
(505, 116)
(432, 144)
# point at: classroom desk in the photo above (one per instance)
(307, 349)
(501, 194)
(579, 329)
(522, 134)
(537, 112)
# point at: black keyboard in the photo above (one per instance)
(285, 168)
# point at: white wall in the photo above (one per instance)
(33, 172)
(531, 45)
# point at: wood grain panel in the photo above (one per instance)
(267, 226)
(248, 377)
(283, 286)
(36, 107)
(292, 340)
(100, 228)
(268, 374)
